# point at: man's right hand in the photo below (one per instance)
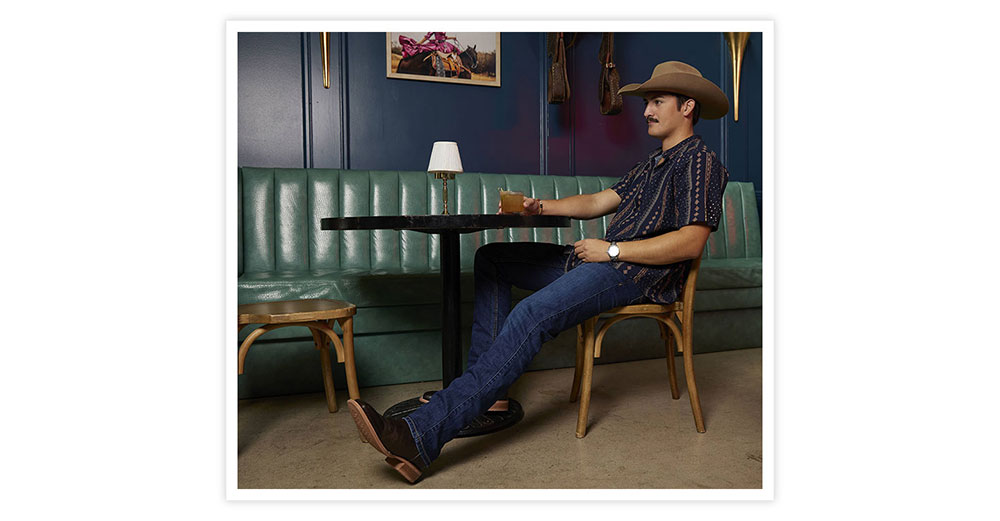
(532, 206)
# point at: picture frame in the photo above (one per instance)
(426, 57)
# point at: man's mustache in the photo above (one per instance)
(652, 120)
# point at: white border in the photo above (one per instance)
(231, 277)
(767, 235)
(768, 253)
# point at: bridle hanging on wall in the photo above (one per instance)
(610, 99)
(558, 86)
(558, 77)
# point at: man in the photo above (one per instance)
(665, 207)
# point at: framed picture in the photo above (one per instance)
(470, 58)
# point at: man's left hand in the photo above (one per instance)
(592, 250)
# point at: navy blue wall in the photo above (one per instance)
(367, 121)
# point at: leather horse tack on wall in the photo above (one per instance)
(558, 79)
(611, 100)
(558, 86)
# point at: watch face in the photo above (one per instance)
(613, 250)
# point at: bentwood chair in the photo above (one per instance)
(318, 315)
(677, 317)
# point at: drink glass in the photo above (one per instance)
(511, 202)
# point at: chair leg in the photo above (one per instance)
(699, 421)
(245, 346)
(675, 393)
(238, 329)
(347, 326)
(588, 373)
(327, 365)
(680, 320)
(331, 394)
(574, 393)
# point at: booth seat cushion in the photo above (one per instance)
(361, 287)
(724, 299)
(730, 273)
(388, 302)
(402, 286)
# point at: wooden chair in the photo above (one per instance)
(318, 315)
(677, 317)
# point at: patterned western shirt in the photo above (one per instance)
(666, 191)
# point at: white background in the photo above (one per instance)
(114, 307)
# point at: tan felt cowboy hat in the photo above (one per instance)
(682, 78)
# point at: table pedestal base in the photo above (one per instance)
(482, 424)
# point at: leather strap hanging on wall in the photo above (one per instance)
(611, 101)
(558, 91)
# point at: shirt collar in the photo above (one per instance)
(657, 154)
(670, 152)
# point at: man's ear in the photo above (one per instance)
(688, 107)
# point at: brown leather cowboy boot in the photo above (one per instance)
(390, 437)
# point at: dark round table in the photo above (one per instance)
(448, 227)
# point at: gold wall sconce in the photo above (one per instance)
(737, 46)
(325, 44)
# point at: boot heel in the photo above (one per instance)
(407, 469)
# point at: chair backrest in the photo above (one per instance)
(687, 297)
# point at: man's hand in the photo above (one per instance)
(592, 250)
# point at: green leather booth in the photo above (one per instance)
(393, 276)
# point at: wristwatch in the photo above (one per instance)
(613, 251)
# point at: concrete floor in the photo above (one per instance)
(638, 437)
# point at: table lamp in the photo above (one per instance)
(444, 164)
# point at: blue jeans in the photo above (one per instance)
(505, 340)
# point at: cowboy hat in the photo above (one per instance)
(681, 78)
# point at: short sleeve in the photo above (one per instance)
(698, 193)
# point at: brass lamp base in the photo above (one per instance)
(445, 176)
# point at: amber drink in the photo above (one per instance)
(511, 202)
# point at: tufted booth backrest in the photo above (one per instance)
(280, 210)
(738, 235)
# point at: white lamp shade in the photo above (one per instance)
(445, 158)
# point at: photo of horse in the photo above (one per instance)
(470, 58)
